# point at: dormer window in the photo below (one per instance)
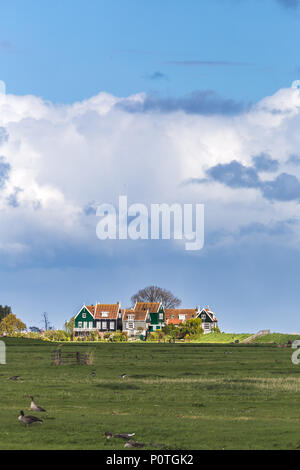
(130, 317)
(104, 314)
(181, 317)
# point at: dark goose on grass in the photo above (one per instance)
(28, 419)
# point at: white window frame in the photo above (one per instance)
(84, 315)
(111, 325)
(104, 314)
(104, 325)
(80, 324)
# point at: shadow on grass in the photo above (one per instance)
(114, 386)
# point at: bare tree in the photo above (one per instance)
(46, 321)
(156, 294)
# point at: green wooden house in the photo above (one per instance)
(156, 314)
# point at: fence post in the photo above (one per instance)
(78, 357)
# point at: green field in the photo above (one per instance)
(179, 396)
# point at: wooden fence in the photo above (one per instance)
(60, 357)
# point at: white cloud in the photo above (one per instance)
(65, 157)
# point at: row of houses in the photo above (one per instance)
(139, 320)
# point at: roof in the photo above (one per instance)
(111, 309)
(153, 307)
(172, 315)
(138, 315)
(91, 309)
(210, 314)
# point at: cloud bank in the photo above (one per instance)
(58, 162)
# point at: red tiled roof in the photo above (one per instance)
(153, 307)
(172, 315)
(138, 315)
(91, 309)
(111, 309)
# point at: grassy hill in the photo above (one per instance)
(179, 396)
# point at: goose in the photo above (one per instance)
(34, 407)
(125, 436)
(122, 376)
(27, 419)
(14, 377)
(93, 373)
(134, 444)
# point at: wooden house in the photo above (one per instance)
(136, 323)
(100, 317)
(156, 314)
(176, 316)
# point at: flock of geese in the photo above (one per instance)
(27, 420)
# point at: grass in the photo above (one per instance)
(222, 337)
(278, 338)
(179, 396)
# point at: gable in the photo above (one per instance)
(84, 315)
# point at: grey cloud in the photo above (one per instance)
(90, 208)
(294, 160)
(205, 102)
(4, 171)
(235, 175)
(3, 135)
(157, 76)
(284, 187)
(264, 162)
(12, 199)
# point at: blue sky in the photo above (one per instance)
(165, 101)
(67, 51)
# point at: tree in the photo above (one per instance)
(69, 325)
(46, 321)
(4, 310)
(34, 329)
(11, 324)
(156, 294)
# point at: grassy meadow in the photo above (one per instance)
(176, 396)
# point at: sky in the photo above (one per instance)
(163, 101)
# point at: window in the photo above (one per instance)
(181, 317)
(80, 324)
(161, 316)
(91, 325)
(85, 324)
(112, 325)
(104, 325)
(203, 316)
(130, 325)
(98, 325)
(172, 316)
(130, 317)
(84, 315)
(104, 314)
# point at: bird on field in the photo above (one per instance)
(122, 376)
(34, 407)
(14, 377)
(134, 444)
(108, 435)
(28, 419)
